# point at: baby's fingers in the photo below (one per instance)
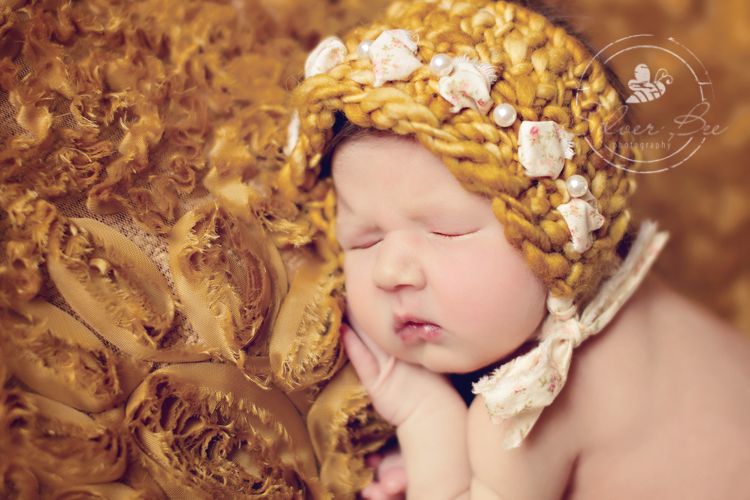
(394, 481)
(364, 362)
(371, 369)
(375, 491)
(380, 355)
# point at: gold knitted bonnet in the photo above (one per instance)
(544, 72)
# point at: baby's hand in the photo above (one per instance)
(398, 390)
(429, 414)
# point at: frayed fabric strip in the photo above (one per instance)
(292, 133)
(468, 86)
(327, 55)
(392, 55)
(582, 220)
(543, 148)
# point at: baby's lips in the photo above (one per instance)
(401, 321)
(408, 331)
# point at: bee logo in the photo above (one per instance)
(644, 89)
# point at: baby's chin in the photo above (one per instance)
(461, 370)
(451, 364)
(448, 366)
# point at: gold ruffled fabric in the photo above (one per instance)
(54, 443)
(17, 483)
(207, 432)
(109, 491)
(58, 357)
(141, 230)
(226, 279)
(116, 289)
(305, 346)
(343, 429)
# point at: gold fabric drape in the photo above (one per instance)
(152, 345)
(205, 431)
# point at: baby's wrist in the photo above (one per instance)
(440, 404)
(433, 444)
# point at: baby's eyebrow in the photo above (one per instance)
(340, 201)
(352, 223)
(343, 211)
(348, 220)
(442, 215)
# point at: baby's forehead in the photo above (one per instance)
(384, 173)
(384, 150)
(369, 140)
(361, 158)
(346, 134)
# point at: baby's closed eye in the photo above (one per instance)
(364, 246)
(453, 234)
(357, 237)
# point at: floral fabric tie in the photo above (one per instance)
(519, 390)
(327, 55)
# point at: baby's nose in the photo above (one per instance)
(398, 262)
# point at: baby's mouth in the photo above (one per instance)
(412, 329)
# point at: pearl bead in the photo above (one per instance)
(363, 49)
(504, 115)
(441, 65)
(577, 186)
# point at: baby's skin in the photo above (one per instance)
(657, 405)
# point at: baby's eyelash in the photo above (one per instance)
(452, 235)
(366, 245)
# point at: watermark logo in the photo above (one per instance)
(671, 110)
(644, 89)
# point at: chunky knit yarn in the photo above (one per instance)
(544, 72)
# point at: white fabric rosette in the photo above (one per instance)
(468, 86)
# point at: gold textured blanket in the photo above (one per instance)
(157, 338)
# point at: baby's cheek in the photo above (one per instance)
(491, 284)
(360, 301)
(354, 290)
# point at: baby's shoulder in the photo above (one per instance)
(660, 399)
(655, 406)
(663, 352)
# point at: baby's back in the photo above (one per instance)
(656, 406)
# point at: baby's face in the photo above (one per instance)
(429, 274)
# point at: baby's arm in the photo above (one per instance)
(538, 470)
(429, 415)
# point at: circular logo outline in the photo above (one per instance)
(701, 84)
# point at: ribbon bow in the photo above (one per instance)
(519, 390)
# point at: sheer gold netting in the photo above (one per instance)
(157, 339)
